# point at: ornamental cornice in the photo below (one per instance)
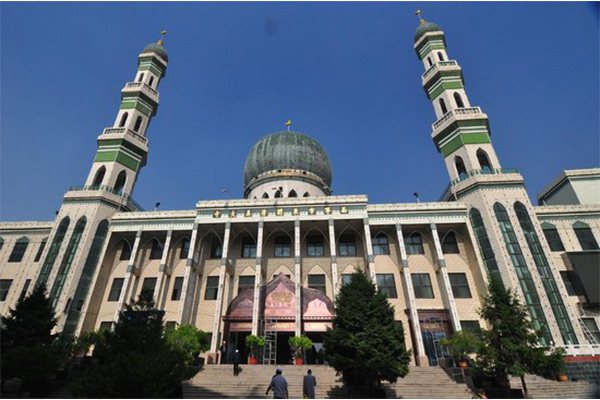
(19, 227)
(568, 211)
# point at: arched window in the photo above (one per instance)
(1, 243)
(440, 56)
(125, 251)
(526, 282)
(185, 248)
(151, 81)
(99, 176)
(67, 261)
(459, 101)
(460, 167)
(306, 194)
(585, 236)
(414, 244)
(138, 124)
(53, 252)
(293, 193)
(141, 78)
(429, 61)
(265, 195)
(443, 106)
(484, 162)
(123, 120)
(120, 183)
(449, 244)
(278, 194)
(541, 262)
(485, 247)
(381, 244)
(18, 250)
(156, 251)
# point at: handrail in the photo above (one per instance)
(449, 63)
(127, 131)
(131, 203)
(142, 85)
(456, 111)
(476, 172)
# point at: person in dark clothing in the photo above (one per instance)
(237, 358)
(223, 350)
(279, 385)
(308, 385)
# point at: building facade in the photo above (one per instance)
(272, 262)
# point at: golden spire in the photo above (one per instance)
(161, 41)
(288, 124)
(418, 14)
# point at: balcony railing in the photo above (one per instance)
(437, 66)
(127, 131)
(454, 113)
(133, 85)
(476, 172)
(129, 201)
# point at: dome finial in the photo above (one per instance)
(418, 14)
(161, 41)
(288, 124)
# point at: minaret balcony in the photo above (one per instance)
(141, 87)
(481, 177)
(458, 114)
(123, 132)
(450, 65)
(107, 193)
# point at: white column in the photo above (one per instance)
(123, 298)
(163, 271)
(334, 271)
(419, 348)
(445, 286)
(189, 280)
(220, 290)
(257, 278)
(370, 257)
(298, 280)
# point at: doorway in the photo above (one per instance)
(237, 341)
(435, 326)
(284, 353)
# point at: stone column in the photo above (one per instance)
(334, 271)
(444, 280)
(220, 290)
(298, 280)
(124, 297)
(419, 348)
(189, 280)
(370, 257)
(163, 271)
(257, 278)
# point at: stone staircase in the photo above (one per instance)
(540, 388)
(217, 381)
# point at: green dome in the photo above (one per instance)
(424, 28)
(287, 150)
(158, 49)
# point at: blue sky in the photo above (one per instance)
(345, 73)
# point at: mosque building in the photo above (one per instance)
(272, 262)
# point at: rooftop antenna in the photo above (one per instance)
(288, 124)
(156, 205)
(161, 41)
(418, 14)
(416, 196)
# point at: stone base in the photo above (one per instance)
(422, 361)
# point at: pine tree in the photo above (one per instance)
(366, 344)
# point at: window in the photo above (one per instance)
(151, 81)
(216, 250)
(148, 286)
(592, 327)
(449, 245)
(212, 287)
(315, 247)
(293, 193)
(138, 124)
(53, 251)
(248, 247)
(553, 238)
(485, 247)
(105, 326)
(306, 194)
(156, 251)
(470, 326)
(99, 176)
(572, 283)
(24, 290)
(429, 61)
(185, 248)
(40, 250)
(245, 282)
(4, 288)
(440, 56)
(317, 282)
(422, 286)
(381, 244)
(347, 245)
(460, 286)
(443, 107)
(19, 250)
(1, 243)
(125, 251)
(461, 171)
(141, 77)
(484, 161)
(346, 279)
(278, 194)
(414, 244)
(177, 286)
(387, 285)
(120, 183)
(283, 246)
(585, 237)
(115, 289)
(124, 118)
(459, 101)
(265, 195)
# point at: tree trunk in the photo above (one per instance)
(525, 392)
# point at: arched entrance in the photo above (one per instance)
(277, 319)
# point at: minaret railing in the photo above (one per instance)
(454, 113)
(126, 131)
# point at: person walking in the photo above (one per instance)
(308, 385)
(279, 385)
(236, 362)
(223, 350)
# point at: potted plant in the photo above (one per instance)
(460, 346)
(298, 344)
(254, 343)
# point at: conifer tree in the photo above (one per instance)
(366, 344)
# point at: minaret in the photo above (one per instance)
(79, 235)
(502, 219)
